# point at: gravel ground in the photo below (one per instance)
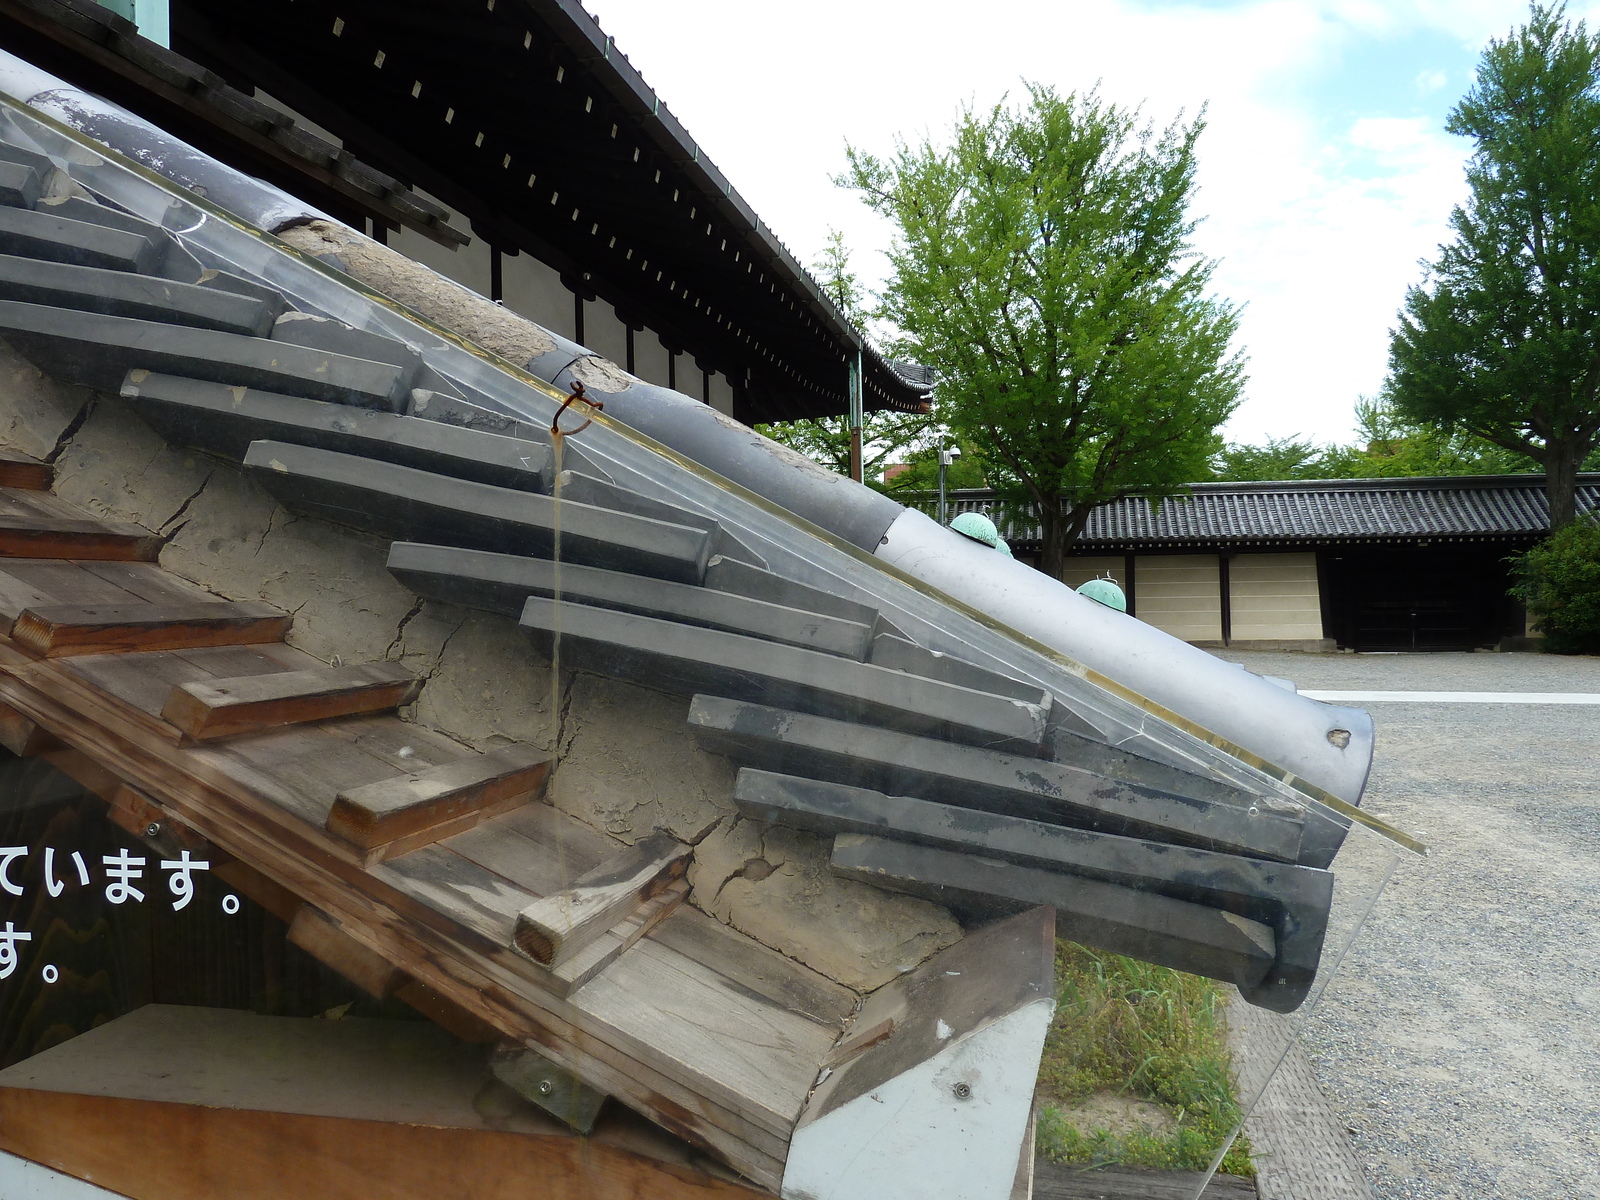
(1461, 1040)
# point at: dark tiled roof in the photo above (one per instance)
(1484, 506)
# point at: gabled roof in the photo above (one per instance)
(1313, 510)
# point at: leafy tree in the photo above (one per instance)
(1387, 446)
(1280, 458)
(885, 436)
(1559, 580)
(1502, 339)
(1042, 264)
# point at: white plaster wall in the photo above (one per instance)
(722, 394)
(1274, 596)
(1078, 571)
(1180, 594)
(604, 333)
(534, 290)
(650, 358)
(691, 379)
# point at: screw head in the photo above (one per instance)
(546, 1087)
(963, 1091)
(153, 829)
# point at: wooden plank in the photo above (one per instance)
(263, 658)
(402, 744)
(479, 901)
(60, 537)
(556, 926)
(751, 967)
(142, 679)
(299, 768)
(250, 703)
(579, 968)
(320, 936)
(755, 1056)
(16, 596)
(150, 582)
(17, 470)
(536, 846)
(57, 630)
(410, 804)
(71, 581)
(24, 737)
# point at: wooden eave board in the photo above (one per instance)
(40, 582)
(263, 799)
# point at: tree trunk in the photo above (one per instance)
(1052, 537)
(1561, 481)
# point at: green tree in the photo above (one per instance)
(1559, 579)
(1502, 339)
(1042, 264)
(885, 436)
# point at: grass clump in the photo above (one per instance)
(1127, 1028)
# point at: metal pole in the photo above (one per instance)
(855, 418)
(944, 460)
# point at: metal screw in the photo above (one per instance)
(963, 1091)
(546, 1087)
(153, 829)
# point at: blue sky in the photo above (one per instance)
(1325, 172)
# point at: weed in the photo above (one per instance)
(1132, 1029)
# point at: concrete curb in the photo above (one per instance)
(1302, 1149)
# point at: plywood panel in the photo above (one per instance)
(1179, 594)
(1275, 596)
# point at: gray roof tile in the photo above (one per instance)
(1311, 510)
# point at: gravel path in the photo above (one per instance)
(1461, 1041)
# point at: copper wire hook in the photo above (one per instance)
(577, 394)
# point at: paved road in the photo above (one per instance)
(1461, 1041)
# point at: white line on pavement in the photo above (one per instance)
(1457, 697)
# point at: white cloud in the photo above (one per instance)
(1429, 82)
(1319, 226)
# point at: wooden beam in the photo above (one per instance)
(252, 884)
(447, 1014)
(23, 737)
(556, 927)
(29, 535)
(223, 707)
(578, 968)
(136, 813)
(432, 804)
(63, 629)
(17, 470)
(320, 936)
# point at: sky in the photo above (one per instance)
(1325, 175)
